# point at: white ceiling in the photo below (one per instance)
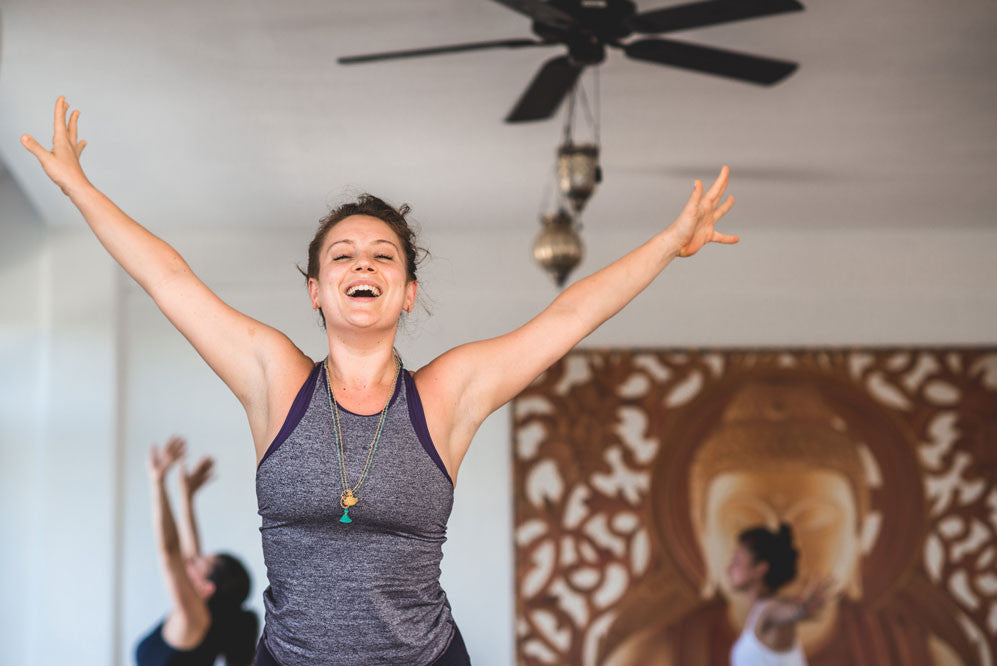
(234, 113)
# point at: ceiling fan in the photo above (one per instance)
(586, 27)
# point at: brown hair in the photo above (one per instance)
(775, 549)
(367, 204)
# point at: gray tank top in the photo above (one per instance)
(367, 592)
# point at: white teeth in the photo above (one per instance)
(363, 287)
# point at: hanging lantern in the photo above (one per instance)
(558, 247)
(578, 172)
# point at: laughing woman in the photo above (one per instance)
(358, 456)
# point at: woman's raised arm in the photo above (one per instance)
(783, 611)
(189, 619)
(243, 352)
(190, 483)
(469, 382)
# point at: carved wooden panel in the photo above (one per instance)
(617, 457)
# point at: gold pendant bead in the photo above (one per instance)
(349, 499)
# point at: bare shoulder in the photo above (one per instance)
(283, 362)
(285, 370)
(434, 387)
(444, 377)
(442, 392)
(185, 630)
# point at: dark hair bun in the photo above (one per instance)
(774, 548)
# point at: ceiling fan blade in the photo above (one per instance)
(708, 12)
(545, 93)
(541, 12)
(437, 50)
(740, 66)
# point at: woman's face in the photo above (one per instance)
(363, 280)
(743, 571)
(818, 503)
(199, 570)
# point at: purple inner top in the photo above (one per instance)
(416, 415)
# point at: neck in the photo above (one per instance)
(358, 365)
(739, 605)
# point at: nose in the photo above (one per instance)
(362, 265)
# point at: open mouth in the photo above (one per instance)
(363, 291)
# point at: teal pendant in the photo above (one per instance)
(346, 517)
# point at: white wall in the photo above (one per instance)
(22, 239)
(58, 463)
(96, 374)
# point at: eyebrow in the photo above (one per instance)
(350, 242)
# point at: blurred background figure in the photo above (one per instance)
(782, 448)
(207, 591)
(763, 562)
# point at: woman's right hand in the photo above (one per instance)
(160, 460)
(62, 163)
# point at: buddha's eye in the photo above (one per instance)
(814, 516)
(740, 517)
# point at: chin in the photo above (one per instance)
(365, 320)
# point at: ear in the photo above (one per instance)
(853, 590)
(313, 292)
(761, 568)
(411, 289)
(207, 588)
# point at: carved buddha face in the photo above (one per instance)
(779, 455)
(819, 504)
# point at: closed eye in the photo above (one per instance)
(384, 256)
(342, 256)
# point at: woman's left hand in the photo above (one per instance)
(694, 226)
(814, 596)
(191, 481)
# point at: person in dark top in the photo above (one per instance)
(207, 619)
(341, 480)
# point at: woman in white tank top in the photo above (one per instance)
(764, 561)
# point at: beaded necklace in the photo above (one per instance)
(349, 496)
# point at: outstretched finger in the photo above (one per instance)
(726, 239)
(60, 117)
(719, 185)
(723, 208)
(36, 148)
(73, 118)
(692, 204)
